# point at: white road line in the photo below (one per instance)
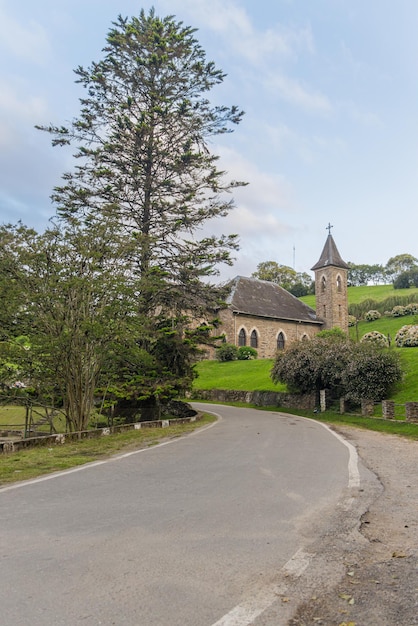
(353, 470)
(244, 614)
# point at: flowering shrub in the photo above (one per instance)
(371, 316)
(398, 311)
(375, 337)
(352, 320)
(407, 336)
(412, 308)
(246, 353)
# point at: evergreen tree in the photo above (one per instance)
(141, 141)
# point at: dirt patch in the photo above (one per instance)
(379, 583)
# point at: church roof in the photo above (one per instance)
(262, 298)
(330, 256)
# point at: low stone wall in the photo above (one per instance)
(258, 398)
(61, 438)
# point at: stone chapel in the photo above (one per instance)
(265, 316)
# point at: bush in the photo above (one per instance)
(353, 370)
(412, 308)
(246, 353)
(371, 374)
(407, 336)
(371, 316)
(375, 337)
(352, 320)
(398, 311)
(227, 352)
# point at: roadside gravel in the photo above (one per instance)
(377, 581)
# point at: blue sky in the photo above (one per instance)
(330, 90)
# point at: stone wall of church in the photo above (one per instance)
(267, 332)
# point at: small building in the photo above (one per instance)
(331, 286)
(263, 315)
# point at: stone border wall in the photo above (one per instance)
(258, 398)
(61, 438)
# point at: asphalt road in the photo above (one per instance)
(190, 533)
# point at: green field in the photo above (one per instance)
(357, 295)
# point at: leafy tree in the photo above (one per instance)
(79, 302)
(399, 264)
(145, 170)
(298, 283)
(405, 280)
(363, 274)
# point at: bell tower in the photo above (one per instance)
(331, 286)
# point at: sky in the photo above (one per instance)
(330, 132)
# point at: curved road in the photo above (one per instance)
(193, 532)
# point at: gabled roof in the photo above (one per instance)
(330, 256)
(261, 298)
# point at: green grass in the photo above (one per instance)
(236, 375)
(13, 416)
(34, 462)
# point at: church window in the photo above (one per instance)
(254, 339)
(242, 338)
(280, 341)
(339, 284)
(323, 284)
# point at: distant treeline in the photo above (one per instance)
(400, 270)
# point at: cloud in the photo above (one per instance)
(233, 24)
(18, 110)
(295, 93)
(27, 41)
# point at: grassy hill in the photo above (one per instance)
(374, 293)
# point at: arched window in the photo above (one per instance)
(280, 341)
(242, 338)
(323, 284)
(339, 283)
(254, 339)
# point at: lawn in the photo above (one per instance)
(236, 375)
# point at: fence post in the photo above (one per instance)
(367, 407)
(323, 400)
(342, 406)
(411, 409)
(388, 409)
